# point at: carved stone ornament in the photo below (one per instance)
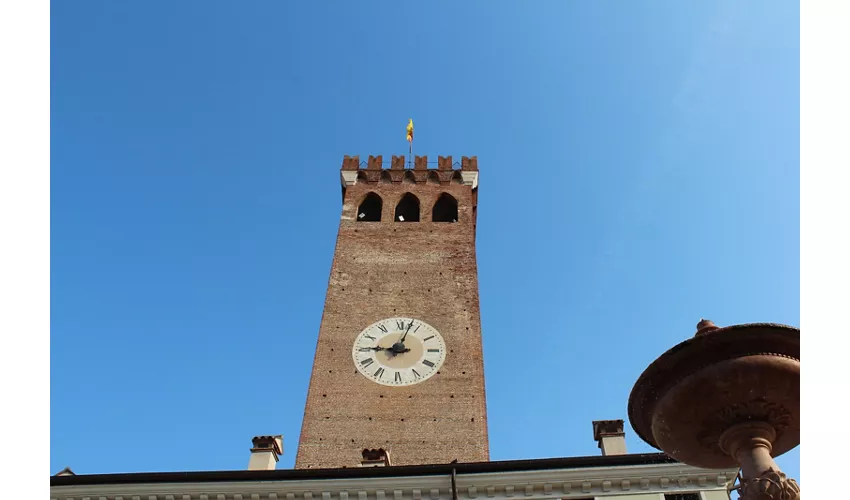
(373, 176)
(757, 409)
(770, 485)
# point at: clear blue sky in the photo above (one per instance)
(639, 170)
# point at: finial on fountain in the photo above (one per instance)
(705, 326)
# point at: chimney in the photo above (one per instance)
(375, 458)
(266, 452)
(610, 436)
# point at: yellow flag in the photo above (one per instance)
(410, 130)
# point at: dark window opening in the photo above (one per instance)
(445, 210)
(375, 458)
(682, 496)
(370, 209)
(407, 209)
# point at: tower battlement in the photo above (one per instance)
(423, 171)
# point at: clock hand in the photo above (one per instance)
(398, 347)
(401, 341)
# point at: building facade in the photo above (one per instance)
(624, 477)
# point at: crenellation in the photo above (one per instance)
(420, 163)
(372, 171)
(470, 163)
(401, 162)
(351, 162)
(375, 162)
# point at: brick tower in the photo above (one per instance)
(398, 375)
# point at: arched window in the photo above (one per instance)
(407, 209)
(445, 210)
(370, 209)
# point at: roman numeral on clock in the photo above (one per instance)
(427, 363)
(399, 324)
(416, 373)
(379, 372)
(433, 350)
(367, 362)
(369, 336)
(398, 376)
(383, 328)
(427, 338)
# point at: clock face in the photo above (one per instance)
(399, 351)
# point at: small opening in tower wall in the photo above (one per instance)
(445, 210)
(370, 209)
(407, 209)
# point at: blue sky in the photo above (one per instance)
(639, 170)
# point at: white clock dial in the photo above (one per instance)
(399, 351)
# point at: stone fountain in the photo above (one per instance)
(726, 397)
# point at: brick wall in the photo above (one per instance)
(425, 270)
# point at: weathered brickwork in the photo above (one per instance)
(425, 270)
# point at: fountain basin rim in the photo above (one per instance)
(699, 352)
